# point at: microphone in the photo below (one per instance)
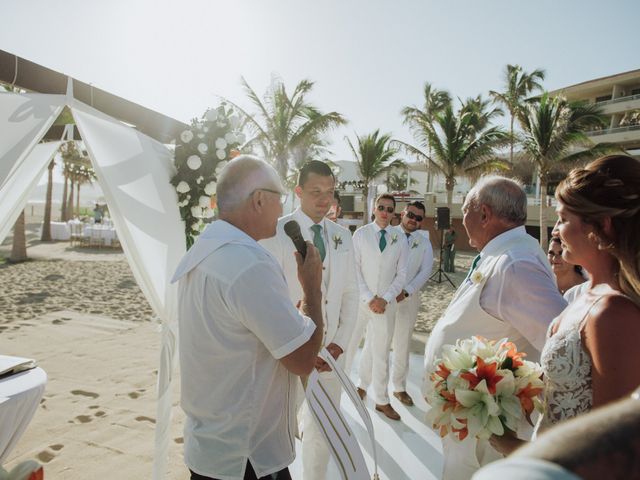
(292, 229)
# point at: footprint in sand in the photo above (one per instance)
(99, 413)
(56, 321)
(145, 419)
(93, 407)
(83, 418)
(179, 440)
(45, 456)
(85, 393)
(53, 277)
(133, 395)
(56, 447)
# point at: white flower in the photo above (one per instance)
(476, 277)
(186, 136)
(210, 188)
(194, 162)
(196, 212)
(221, 143)
(221, 124)
(240, 137)
(220, 166)
(201, 135)
(204, 201)
(230, 138)
(199, 179)
(208, 212)
(202, 148)
(337, 240)
(212, 115)
(394, 238)
(415, 244)
(234, 121)
(183, 187)
(196, 226)
(221, 154)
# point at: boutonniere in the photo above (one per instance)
(337, 240)
(394, 238)
(476, 277)
(415, 244)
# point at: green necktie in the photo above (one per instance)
(318, 241)
(474, 264)
(383, 241)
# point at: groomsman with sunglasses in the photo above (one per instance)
(419, 265)
(381, 263)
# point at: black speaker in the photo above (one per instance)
(442, 218)
(347, 203)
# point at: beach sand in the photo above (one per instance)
(80, 313)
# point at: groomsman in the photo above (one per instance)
(511, 294)
(419, 265)
(315, 189)
(381, 264)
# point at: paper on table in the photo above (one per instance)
(9, 364)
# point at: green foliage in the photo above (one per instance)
(201, 152)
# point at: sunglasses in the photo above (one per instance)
(413, 216)
(382, 208)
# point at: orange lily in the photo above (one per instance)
(485, 372)
(462, 432)
(515, 356)
(443, 372)
(525, 395)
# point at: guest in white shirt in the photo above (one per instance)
(381, 265)
(241, 339)
(419, 265)
(315, 189)
(511, 294)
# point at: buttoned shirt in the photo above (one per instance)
(522, 291)
(236, 321)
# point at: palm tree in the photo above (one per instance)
(375, 157)
(518, 85)
(397, 182)
(553, 134)
(286, 123)
(434, 101)
(70, 156)
(19, 245)
(462, 143)
(46, 225)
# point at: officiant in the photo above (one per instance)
(509, 292)
(242, 341)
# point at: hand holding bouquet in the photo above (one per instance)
(481, 387)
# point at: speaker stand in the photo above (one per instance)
(441, 273)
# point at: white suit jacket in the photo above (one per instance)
(380, 273)
(339, 285)
(419, 261)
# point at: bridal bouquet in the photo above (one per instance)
(481, 387)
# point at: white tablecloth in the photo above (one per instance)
(20, 396)
(59, 231)
(107, 234)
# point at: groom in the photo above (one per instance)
(514, 296)
(316, 191)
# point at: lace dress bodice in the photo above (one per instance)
(567, 369)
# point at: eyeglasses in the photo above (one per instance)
(382, 208)
(283, 196)
(413, 216)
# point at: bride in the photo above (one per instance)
(591, 356)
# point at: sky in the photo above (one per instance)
(368, 59)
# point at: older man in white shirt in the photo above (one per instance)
(514, 296)
(315, 189)
(419, 266)
(241, 340)
(381, 267)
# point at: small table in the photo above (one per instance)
(20, 396)
(59, 231)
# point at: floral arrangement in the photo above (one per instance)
(415, 244)
(337, 240)
(394, 238)
(201, 152)
(481, 388)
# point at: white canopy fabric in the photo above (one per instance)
(134, 171)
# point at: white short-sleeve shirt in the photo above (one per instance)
(236, 321)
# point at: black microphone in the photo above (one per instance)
(292, 229)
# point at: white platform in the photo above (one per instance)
(407, 449)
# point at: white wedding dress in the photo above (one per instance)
(567, 367)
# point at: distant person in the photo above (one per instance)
(567, 275)
(242, 341)
(98, 213)
(381, 267)
(449, 250)
(510, 292)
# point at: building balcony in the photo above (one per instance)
(619, 135)
(620, 105)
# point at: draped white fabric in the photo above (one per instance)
(133, 171)
(15, 191)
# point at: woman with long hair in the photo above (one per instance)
(592, 354)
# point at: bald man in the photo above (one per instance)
(242, 342)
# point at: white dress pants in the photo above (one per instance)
(315, 452)
(463, 459)
(406, 315)
(374, 364)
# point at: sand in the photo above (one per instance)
(80, 313)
